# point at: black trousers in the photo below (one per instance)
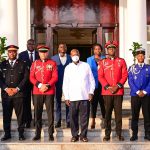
(58, 97)
(27, 105)
(8, 104)
(97, 98)
(113, 102)
(48, 100)
(81, 107)
(136, 104)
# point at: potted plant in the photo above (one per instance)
(135, 46)
(2, 48)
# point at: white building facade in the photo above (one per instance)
(16, 17)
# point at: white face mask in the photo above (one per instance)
(75, 58)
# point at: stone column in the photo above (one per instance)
(24, 30)
(136, 25)
(122, 27)
(8, 21)
(132, 25)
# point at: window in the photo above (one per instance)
(39, 35)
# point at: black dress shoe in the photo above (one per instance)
(84, 139)
(21, 138)
(6, 137)
(68, 125)
(28, 125)
(75, 139)
(106, 138)
(51, 138)
(134, 138)
(58, 125)
(37, 137)
(147, 137)
(120, 138)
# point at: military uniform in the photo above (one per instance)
(113, 72)
(15, 76)
(44, 72)
(139, 80)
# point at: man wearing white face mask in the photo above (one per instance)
(78, 89)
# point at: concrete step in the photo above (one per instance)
(77, 146)
(126, 124)
(63, 144)
(125, 105)
(125, 114)
(30, 133)
(62, 135)
(126, 111)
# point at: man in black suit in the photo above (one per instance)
(13, 77)
(28, 56)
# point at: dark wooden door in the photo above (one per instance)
(55, 41)
(108, 32)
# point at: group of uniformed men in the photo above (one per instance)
(100, 80)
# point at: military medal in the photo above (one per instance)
(49, 67)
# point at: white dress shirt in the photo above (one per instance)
(78, 82)
(63, 59)
(141, 64)
(12, 61)
(33, 54)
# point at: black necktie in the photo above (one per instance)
(31, 57)
(140, 65)
(11, 63)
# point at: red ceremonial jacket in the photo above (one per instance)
(44, 72)
(112, 72)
